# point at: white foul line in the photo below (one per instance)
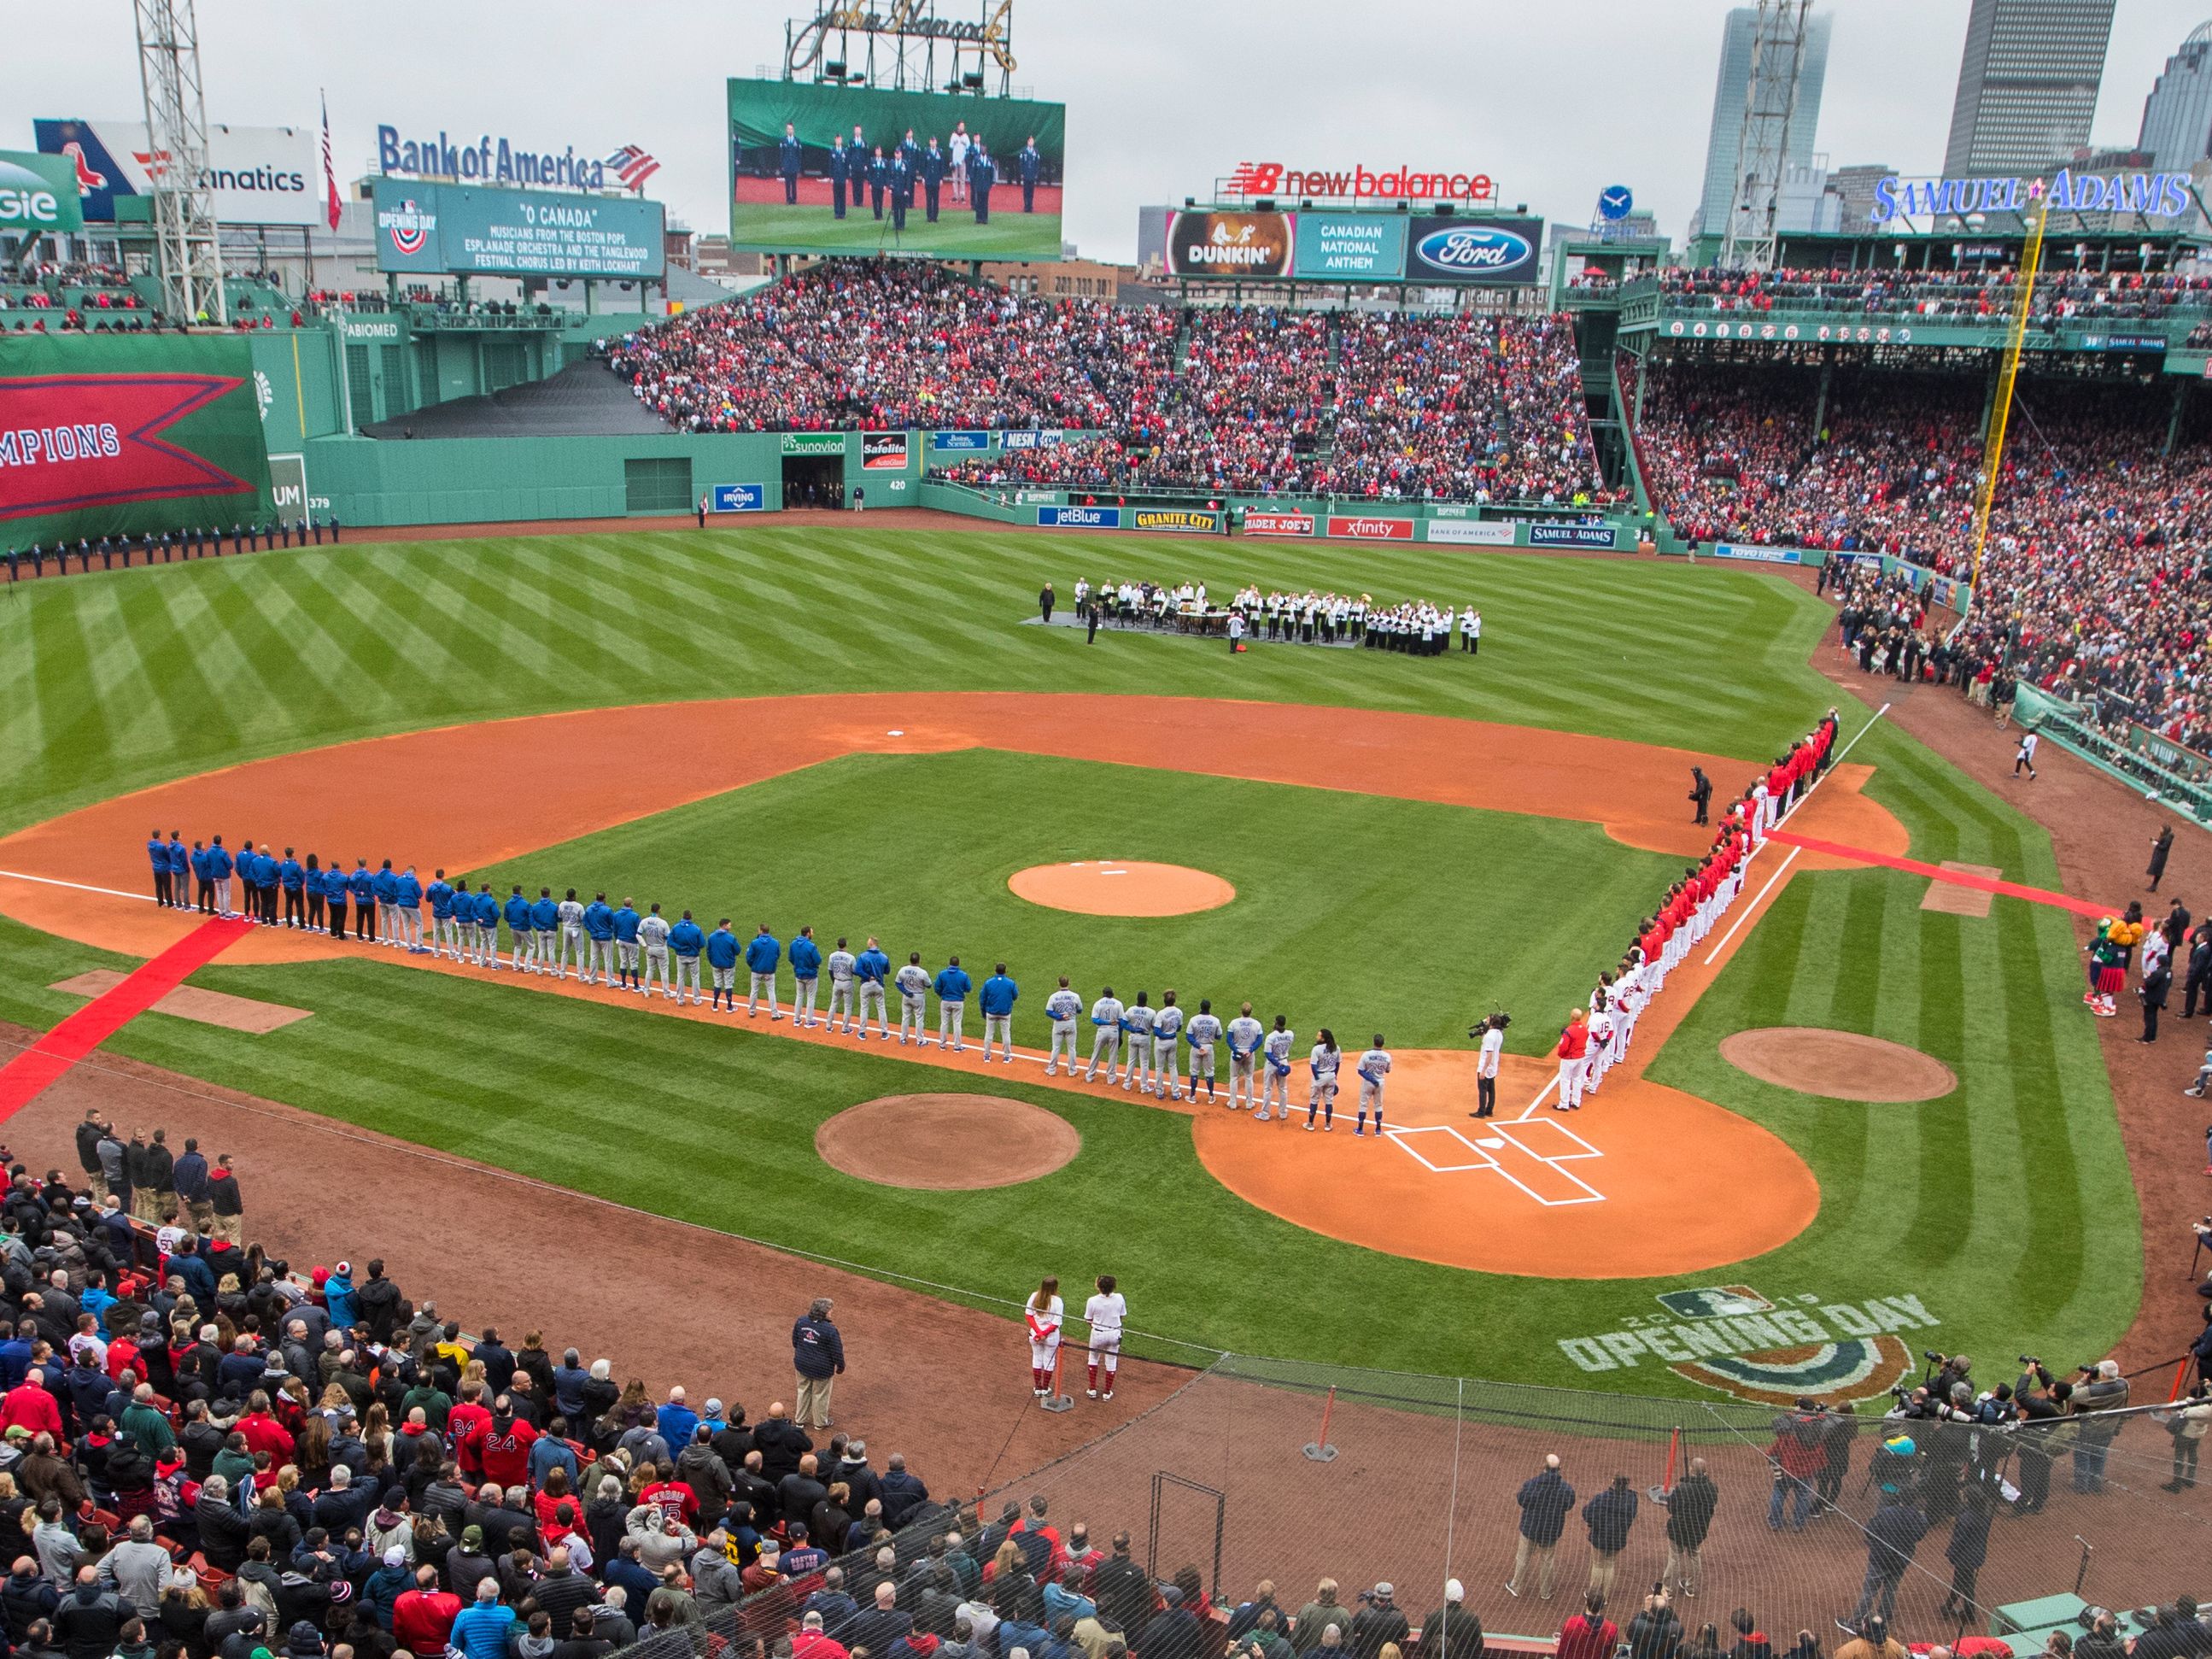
(77, 886)
(1782, 871)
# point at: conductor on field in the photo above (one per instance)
(1701, 791)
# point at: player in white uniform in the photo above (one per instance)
(1323, 1062)
(1064, 1008)
(1137, 1033)
(568, 942)
(1374, 1067)
(1104, 1313)
(652, 937)
(1601, 1028)
(1202, 1033)
(957, 149)
(1244, 1034)
(1276, 1080)
(1485, 1067)
(1106, 1033)
(1042, 1315)
(913, 983)
(840, 965)
(1167, 1026)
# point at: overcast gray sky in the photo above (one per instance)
(1554, 99)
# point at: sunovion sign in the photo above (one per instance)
(2156, 195)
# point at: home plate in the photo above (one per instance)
(894, 734)
(1492, 1143)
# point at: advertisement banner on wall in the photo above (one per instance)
(1358, 247)
(1276, 523)
(738, 498)
(1472, 532)
(473, 230)
(38, 193)
(1041, 438)
(1556, 533)
(1478, 252)
(811, 443)
(1230, 245)
(258, 175)
(1079, 517)
(969, 441)
(883, 452)
(136, 432)
(1758, 555)
(1372, 529)
(1176, 518)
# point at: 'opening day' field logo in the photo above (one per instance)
(408, 226)
(1730, 1338)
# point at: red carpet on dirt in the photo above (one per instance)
(24, 1078)
(1956, 878)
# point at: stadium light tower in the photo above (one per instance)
(186, 254)
(1770, 106)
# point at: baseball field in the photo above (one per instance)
(856, 729)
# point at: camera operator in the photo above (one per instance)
(1951, 1370)
(2101, 1392)
(2041, 1401)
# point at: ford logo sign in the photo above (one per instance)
(1471, 249)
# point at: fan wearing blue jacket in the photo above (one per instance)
(545, 923)
(951, 987)
(626, 926)
(872, 968)
(484, 916)
(722, 953)
(292, 877)
(998, 1000)
(685, 941)
(407, 910)
(763, 952)
(445, 928)
(385, 885)
(599, 929)
(521, 937)
(219, 866)
(807, 970)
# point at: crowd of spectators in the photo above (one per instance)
(1220, 400)
(2093, 584)
(1949, 295)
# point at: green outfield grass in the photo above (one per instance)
(1010, 233)
(916, 849)
(2005, 1207)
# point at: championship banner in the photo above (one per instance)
(121, 434)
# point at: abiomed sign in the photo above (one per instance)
(2152, 195)
(1730, 1338)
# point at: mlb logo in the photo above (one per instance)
(1714, 1303)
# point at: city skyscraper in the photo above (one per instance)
(2176, 122)
(2027, 83)
(1726, 139)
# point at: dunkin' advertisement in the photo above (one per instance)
(1257, 245)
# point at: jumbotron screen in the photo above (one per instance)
(830, 169)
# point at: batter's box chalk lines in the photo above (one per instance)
(1480, 1157)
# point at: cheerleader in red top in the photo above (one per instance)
(1044, 1315)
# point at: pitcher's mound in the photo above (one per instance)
(1840, 1065)
(1109, 887)
(946, 1143)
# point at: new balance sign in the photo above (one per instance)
(1373, 529)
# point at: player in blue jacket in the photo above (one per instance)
(157, 854)
(203, 879)
(362, 884)
(385, 886)
(722, 953)
(626, 925)
(951, 986)
(807, 970)
(872, 968)
(685, 940)
(265, 884)
(241, 863)
(334, 893)
(444, 932)
(408, 910)
(219, 866)
(484, 914)
(546, 922)
(998, 1000)
(599, 929)
(181, 872)
(521, 936)
(763, 952)
(292, 877)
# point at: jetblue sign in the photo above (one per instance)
(1079, 517)
(1485, 252)
(2155, 195)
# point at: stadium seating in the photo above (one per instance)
(1954, 295)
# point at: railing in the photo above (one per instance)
(2137, 756)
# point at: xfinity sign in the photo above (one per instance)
(2152, 195)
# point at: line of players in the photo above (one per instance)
(1595, 1039)
(1307, 618)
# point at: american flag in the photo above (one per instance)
(634, 166)
(329, 172)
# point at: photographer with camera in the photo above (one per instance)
(2101, 1391)
(2040, 1402)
